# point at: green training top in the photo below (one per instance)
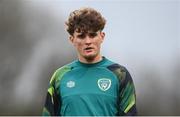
(100, 89)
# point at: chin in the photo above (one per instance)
(90, 57)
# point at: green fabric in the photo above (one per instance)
(99, 89)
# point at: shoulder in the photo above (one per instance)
(119, 70)
(113, 66)
(59, 73)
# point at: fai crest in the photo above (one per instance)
(104, 84)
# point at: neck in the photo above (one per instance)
(90, 60)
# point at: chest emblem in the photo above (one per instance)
(70, 84)
(104, 84)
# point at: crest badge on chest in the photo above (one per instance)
(104, 84)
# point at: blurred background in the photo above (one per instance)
(142, 35)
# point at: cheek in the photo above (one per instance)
(98, 41)
(78, 45)
(98, 44)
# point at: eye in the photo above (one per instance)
(92, 35)
(81, 36)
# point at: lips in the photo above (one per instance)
(88, 48)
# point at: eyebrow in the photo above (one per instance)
(87, 33)
(80, 34)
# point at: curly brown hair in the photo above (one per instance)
(84, 20)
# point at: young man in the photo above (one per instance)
(91, 85)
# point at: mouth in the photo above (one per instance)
(88, 48)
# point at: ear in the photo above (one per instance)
(102, 35)
(71, 39)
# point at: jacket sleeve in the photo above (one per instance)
(127, 96)
(52, 102)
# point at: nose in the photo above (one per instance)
(88, 40)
